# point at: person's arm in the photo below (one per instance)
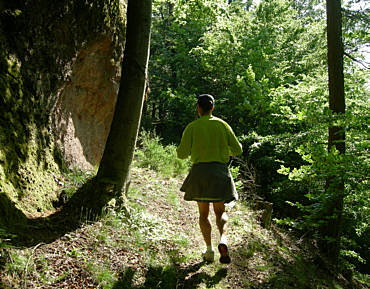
(184, 148)
(235, 146)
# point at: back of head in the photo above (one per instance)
(206, 102)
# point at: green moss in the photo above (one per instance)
(32, 186)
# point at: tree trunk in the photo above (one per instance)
(118, 153)
(334, 184)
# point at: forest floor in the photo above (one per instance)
(157, 244)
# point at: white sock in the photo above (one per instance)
(223, 239)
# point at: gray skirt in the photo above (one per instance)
(209, 182)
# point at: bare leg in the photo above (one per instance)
(221, 218)
(205, 225)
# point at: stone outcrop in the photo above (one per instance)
(59, 74)
(85, 105)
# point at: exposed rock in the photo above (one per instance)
(55, 66)
(84, 109)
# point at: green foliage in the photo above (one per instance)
(18, 263)
(235, 173)
(266, 65)
(317, 165)
(356, 27)
(236, 53)
(163, 159)
(74, 178)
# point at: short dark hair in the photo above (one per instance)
(206, 102)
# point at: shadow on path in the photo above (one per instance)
(173, 276)
(81, 207)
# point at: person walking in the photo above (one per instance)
(210, 142)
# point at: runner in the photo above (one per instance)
(210, 142)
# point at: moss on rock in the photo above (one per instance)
(39, 41)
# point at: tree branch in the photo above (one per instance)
(356, 60)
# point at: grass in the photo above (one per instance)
(17, 263)
(102, 275)
(73, 179)
(173, 199)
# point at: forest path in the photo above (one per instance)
(158, 244)
(259, 257)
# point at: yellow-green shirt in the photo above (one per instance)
(208, 139)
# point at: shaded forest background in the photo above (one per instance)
(265, 64)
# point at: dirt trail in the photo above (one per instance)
(249, 244)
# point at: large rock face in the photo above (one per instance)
(85, 106)
(59, 63)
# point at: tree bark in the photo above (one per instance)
(335, 184)
(118, 153)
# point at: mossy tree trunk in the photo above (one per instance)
(113, 173)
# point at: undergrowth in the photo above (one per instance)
(153, 155)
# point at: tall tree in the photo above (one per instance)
(335, 184)
(118, 153)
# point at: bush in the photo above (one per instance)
(151, 154)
